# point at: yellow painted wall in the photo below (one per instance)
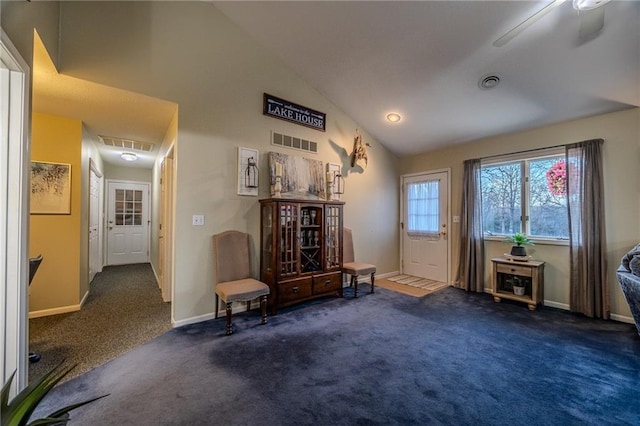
(57, 237)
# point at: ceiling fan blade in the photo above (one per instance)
(591, 22)
(526, 23)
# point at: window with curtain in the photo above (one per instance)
(528, 195)
(423, 208)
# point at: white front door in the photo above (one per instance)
(128, 223)
(425, 226)
(95, 195)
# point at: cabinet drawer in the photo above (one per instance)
(329, 283)
(523, 271)
(293, 290)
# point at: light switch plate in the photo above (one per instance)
(198, 220)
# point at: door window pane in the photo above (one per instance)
(423, 207)
(128, 207)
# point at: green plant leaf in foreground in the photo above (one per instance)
(19, 410)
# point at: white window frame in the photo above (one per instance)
(526, 157)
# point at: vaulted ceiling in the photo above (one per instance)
(421, 59)
(424, 59)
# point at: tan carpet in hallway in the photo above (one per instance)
(123, 310)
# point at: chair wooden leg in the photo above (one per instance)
(355, 286)
(248, 305)
(216, 313)
(229, 329)
(263, 308)
(351, 282)
(373, 277)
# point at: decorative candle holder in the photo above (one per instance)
(277, 187)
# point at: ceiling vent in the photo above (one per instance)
(279, 139)
(489, 82)
(126, 144)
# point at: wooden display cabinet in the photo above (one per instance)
(301, 249)
(531, 273)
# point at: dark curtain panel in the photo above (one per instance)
(589, 290)
(471, 267)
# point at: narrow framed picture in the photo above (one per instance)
(248, 171)
(50, 188)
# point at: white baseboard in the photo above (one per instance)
(622, 318)
(60, 310)
(556, 305)
(387, 275)
(54, 311)
(192, 320)
(155, 274)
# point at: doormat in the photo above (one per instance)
(413, 286)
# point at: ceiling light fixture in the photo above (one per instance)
(489, 81)
(129, 156)
(393, 117)
(588, 4)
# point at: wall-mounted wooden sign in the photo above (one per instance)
(285, 110)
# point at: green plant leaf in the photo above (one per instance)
(48, 421)
(22, 406)
(65, 411)
(19, 410)
(4, 394)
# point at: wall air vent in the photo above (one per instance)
(286, 141)
(126, 143)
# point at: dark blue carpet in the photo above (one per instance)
(385, 359)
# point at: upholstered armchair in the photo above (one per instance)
(233, 275)
(628, 274)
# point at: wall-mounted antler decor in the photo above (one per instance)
(359, 150)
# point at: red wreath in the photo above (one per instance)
(557, 178)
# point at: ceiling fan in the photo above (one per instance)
(591, 13)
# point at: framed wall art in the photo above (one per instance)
(299, 177)
(248, 172)
(50, 188)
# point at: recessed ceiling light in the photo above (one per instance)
(488, 81)
(129, 156)
(588, 4)
(393, 117)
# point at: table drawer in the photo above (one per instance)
(523, 271)
(293, 290)
(329, 283)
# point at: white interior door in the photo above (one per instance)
(95, 195)
(128, 223)
(425, 226)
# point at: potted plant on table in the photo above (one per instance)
(519, 241)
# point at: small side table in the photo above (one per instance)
(531, 273)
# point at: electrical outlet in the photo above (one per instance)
(198, 220)
(456, 219)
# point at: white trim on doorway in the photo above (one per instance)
(404, 177)
(15, 122)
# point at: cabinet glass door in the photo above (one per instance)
(267, 238)
(333, 245)
(288, 256)
(310, 238)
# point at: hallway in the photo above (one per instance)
(124, 309)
